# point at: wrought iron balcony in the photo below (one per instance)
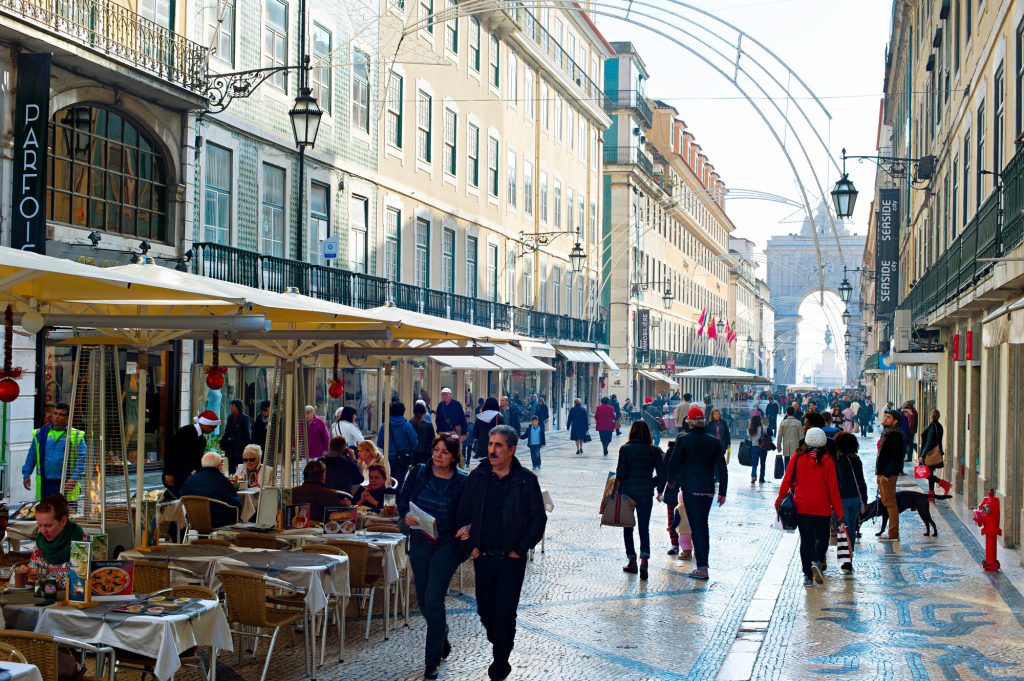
(629, 156)
(630, 99)
(117, 32)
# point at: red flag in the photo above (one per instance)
(700, 322)
(728, 332)
(712, 333)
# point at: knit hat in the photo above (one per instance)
(207, 418)
(815, 437)
(695, 414)
(896, 414)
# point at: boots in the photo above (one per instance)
(945, 486)
(643, 568)
(630, 567)
(687, 554)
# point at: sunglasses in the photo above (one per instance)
(250, 459)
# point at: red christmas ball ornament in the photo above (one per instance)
(9, 390)
(215, 380)
(335, 390)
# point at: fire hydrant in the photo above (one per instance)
(987, 518)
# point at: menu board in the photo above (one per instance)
(112, 579)
(150, 524)
(296, 516)
(79, 581)
(340, 520)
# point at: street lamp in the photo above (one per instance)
(844, 195)
(720, 325)
(576, 258)
(305, 117)
(666, 297)
(847, 317)
(750, 343)
(845, 290)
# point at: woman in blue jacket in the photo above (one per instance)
(402, 443)
(578, 424)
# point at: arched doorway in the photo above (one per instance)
(820, 343)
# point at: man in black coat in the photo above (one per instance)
(510, 414)
(697, 460)
(236, 435)
(772, 412)
(501, 517)
(187, 448)
(260, 425)
(618, 413)
(888, 467)
(209, 482)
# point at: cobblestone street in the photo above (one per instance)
(920, 610)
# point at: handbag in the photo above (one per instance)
(744, 454)
(661, 425)
(922, 472)
(587, 438)
(766, 444)
(617, 510)
(843, 544)
(787, 507)
(780, 467)
(933, 457)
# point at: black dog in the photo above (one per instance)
(905, 500)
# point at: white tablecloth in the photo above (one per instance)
(162, 638)
(319, 581)
(250, 500)
(393, 545)
(198, 559)
(21, 672)
(297, 538)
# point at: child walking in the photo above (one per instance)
(534, 436)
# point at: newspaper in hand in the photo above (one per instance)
(424, 522)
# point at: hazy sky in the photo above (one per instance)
(837, 47)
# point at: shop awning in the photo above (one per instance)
(539, 348)
(657, 377)
(521, 360)
(607, 360)
(467, 362)
(719, 374)
(581, 355)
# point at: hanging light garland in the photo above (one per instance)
(9, 388)
(337, 387)
(215, 372)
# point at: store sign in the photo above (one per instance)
(887, 255)
(31, 113)
(643, 319)
(670, 365)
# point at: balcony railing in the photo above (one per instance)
(364, 291)
(108, 28)
(627, 156)
(656, 359)
(629, 99)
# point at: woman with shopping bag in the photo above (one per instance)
(640, 473)
(932, 454)
(853, 490)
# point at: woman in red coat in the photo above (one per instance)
(812, 477)
(604, 421)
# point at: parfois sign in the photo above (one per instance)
(32, 111)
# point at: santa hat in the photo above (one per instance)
(207, 418)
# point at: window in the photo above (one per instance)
(999, 118)
(570, 200)
(451, 28)
(513, 77)
(272, 215)
(528, 101)
(217, 209)
(527, 281)
(968, 20)
(221, 32)
(392, 244)
(358, 244)
(979, 158)
(275, 41)
(471, 268)
(511, 178)
(474, 44)
(394, 114)
(510, 277)
(492, 272)
(360, 91)
(494, 59)
(319, 219)
(543, 196)
(448, 260)
(570, 124)
(568, 293)
(956, 33)
(423, 126)
(527, 187)
(545, 106)
(581, 216)
(321, 71)
(426, 14)
(473, 155)
(450, 127)
(492, 167)
(556, 289)
(1019, 91)
(558, 117)
(967, 175)
(422, 252)
(593, 223)
(558, 204)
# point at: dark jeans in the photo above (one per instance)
(851, 513)
(50, 487)
(814, 531)
(698, 508)
(499, 582)
(606, 439)
(644, 506)
(757, 454)
(433, 564)
(535, 455)
(398, 471)
(932, 479)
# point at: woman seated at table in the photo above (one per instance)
(251, 467)
(369, 455)
(372, 496)
(313, 492)
(56, 532)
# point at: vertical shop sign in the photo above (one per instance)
(31, 114)
(887, 252)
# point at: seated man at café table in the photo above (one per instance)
(250, 468)
(372, 496)
(312, 491)
(209, 482)
(343, 472)
(56, 532)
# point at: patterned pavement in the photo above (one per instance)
(920, 610)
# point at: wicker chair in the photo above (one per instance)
(256, 540)
(151, 577)
(11, 654)
(391, 529)
(198, 515)
(41, 650)
(359, 577)
(247, 607)
(323, 549)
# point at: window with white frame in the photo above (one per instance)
(510, 277)
(361, 90)
(492, 272)
(568, 293)
(543, 196)
(272, 211)
(473, 155)
(358, 244)
(319, 220)
(527, 186)
(513, 77)
(321, 70)
(472, 274)
(570, 122)
(393, 127)
(493, 178)
(511, 178)
(527, 281)
(422, 252)
(451, 28)
(581, 214)
(448, 260)
(542, 289)
(392, 244)
(593, 222)
(556, 290)
(529, 105)
(474, 44)
(424, 123)
(275, 41)
(450, 130)
(580, 308)
(221, 31)
(558, 117)
(570, 201)
(545, 105)
(583, 138)
(558, 204)
(217, 198)
(426, 14)
(494, 60)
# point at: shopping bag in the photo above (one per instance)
(744, 454)
(780, 467)
(843, 544)
(922, 472)
(619, 511)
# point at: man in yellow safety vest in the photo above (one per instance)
(46, 456)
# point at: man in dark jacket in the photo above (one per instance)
(314, 492)
(236, 434)
(260, 425)
(501, 517)
(209, 482)
(772, 413)
(424, 433)
(696, 460)
(888, 467)
(187, 448)
(510, 414)
(618, 414)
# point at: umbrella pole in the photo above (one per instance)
(387, 412)
(142, 366)
(286, 464)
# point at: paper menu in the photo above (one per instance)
(425, 522)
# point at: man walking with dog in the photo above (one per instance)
(888, 467)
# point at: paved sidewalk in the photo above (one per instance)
(919, 610)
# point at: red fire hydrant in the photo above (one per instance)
(987, 518)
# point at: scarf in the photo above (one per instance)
(58, 551)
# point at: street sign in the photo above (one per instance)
(329, 248)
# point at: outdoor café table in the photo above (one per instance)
(250, 500)
(197, 558)
(15, 671)
(297, 538)
(395, 561)
(19, 531)
(162, 638)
